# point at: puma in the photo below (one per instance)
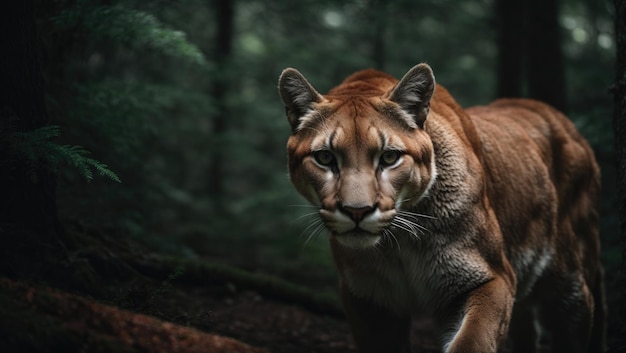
(486, 219)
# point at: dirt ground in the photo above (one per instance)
(276, 326)
(102, 294)
(179, 319)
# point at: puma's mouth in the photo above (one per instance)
(364, 233)
(358, 239)
(359, 231)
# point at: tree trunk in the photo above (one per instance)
(27, 190)
(378, 15)
(594, 8)
(546, 76)
(224, 18)
(619, 128)
(529, 51)
(510, 23)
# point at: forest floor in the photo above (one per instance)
(107, 295)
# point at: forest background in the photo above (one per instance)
(177, 106)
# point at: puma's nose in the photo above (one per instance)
(356, 213)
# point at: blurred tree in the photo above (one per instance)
(224, 11)
(126, 85)
(379, 13)
(594, 11)
(619, 128)
(27, 189)
(529, 50)
(546, 72)
(619, 117)
(510, 43)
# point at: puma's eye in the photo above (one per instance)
(389, 158)
(324, 157)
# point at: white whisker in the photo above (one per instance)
(404, 227)
(307, 215)
(416, 215)
(393, 237)
(413, 216)
(316, 231)
(378, 247)
(416, 226)
(411, 225)
(314, 223)
(399, 224)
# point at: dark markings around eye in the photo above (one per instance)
(389, 158)
(324, 157)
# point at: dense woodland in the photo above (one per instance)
(142, 156)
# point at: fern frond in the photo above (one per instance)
(81, 160)
(103, 169)
(37, 151)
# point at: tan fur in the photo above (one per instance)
(487, 221)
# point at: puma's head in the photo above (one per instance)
(360, 153)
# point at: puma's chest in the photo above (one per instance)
(408, 278)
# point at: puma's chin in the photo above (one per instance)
(358, 239)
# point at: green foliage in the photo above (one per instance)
(136, 29)
(129, 114)
(37, 149)
(81, 160)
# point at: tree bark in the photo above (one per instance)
(28, 198)
(546, 74)
(224, 18)
(510, 23)
(619, 129)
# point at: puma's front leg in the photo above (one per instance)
(375, 329)
(484, 319)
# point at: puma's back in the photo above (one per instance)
(543, 182)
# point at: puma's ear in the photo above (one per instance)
(413, 93)
(297, 94)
